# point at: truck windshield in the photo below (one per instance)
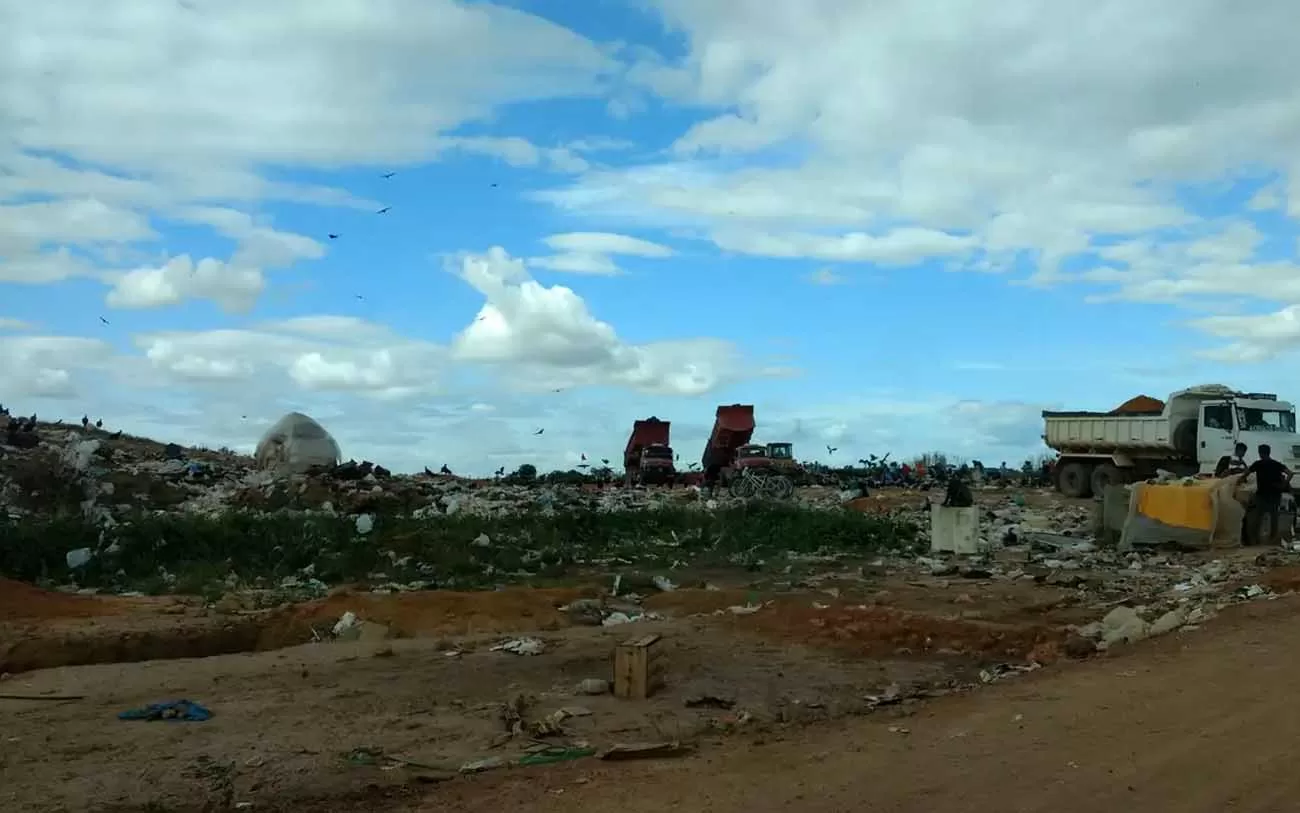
(658, 452)
(1265, 420)
(780, 451)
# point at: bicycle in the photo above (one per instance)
(749, 484)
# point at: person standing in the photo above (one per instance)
(1234, 463)
(1272, 480)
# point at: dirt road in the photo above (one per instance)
(1201, 721)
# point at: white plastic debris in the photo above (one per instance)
(664, 584)
(365, 524)
(521, 646)
(482, 541)
(616, 618)
(79, 557)
(346, 622)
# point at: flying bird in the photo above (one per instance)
(539, 431)
(605, 460)
(584, 456)
(558, 389)
(333, 236)
(102, 319)
(384, 210)
(388, 174)
(831, 449)
(584, 465)
(494, 186)
(501, 472)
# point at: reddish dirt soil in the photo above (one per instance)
(1200, 722)
(20, 601)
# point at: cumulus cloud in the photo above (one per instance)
(180, 278)
(1049, 137)
(548, 336)
(42, 367)
(105, 153)
(1255, 337)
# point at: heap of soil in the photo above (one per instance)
(21, 601)
(1137, 404)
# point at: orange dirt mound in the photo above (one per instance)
(883, 631)
(1139, 403)
(21, 601)
(431, 613)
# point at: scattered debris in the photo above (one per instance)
(645, 750)
(171, 711)
(521, 646)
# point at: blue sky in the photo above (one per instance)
(655, 207)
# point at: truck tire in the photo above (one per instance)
(1107, 474)
(1074, 479)
(1184, 438)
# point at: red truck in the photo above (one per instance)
(648, 457)
(729, 449)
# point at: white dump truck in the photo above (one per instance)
(1196, 427)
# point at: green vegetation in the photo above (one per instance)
(184, 553)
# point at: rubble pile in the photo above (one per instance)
(107, 477)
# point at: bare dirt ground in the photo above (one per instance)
(792, 718)
(1194, 722)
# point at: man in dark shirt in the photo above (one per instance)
(1272, 479)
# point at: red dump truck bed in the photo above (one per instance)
(732, 428)
(645, 433)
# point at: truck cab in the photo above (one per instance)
(1252, 419)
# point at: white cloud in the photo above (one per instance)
(1027, 135)
(43, 366)
(118, 129)
(1254, 338)
(548, 336)
(10, 324)
(518, 152)
(606, 243)
(899, 247)
(181, 279)
(349, 82)
(590, 252)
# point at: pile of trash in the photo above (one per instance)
(107, 476)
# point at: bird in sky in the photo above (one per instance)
(388, 174)
(384, 210)
(831, 449)
(102, 319)
(333, 236)
(539, 431)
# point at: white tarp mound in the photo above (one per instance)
(296, 443)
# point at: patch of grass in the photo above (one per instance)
(189, 553)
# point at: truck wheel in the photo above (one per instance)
(1075, 480)
(1107, 474)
